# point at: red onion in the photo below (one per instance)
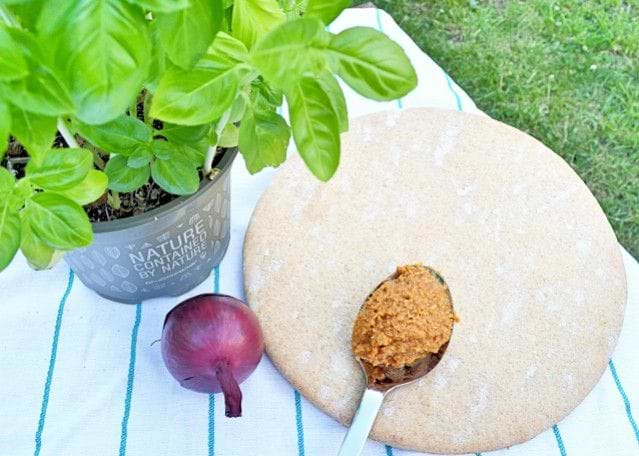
(211, 343)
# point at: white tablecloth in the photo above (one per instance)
(79, 376)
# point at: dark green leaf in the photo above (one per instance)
(5, 127)
(326, 10)
(9, 232)
(334, 91)
(187, 34)
(201, 95)
(103, 48)
(315, 127)
(162, 149)
(252, 19)
(264, 137)
(38, 254)
(163, 6)
(123, 135)
(41, 91)
(183, 134)
(123, 178)
(7, 181)
(177, 175)
(372, 64)
(141, 157)
(58, 221)
(291, 50)
(35, 132)
(12, 63)
(60, 168)
(90, 189)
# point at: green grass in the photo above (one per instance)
(567, 72)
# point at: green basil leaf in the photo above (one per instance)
(187, 34)
(123, 178)
(158, 60)
(229, 136)
(141, 157)
(202, 94)
(90, 189)
(315, 127)
(184, 134)
(38, 254)
(27, 11)
(264, 138)
(12, 64)
(237, 109)
(252, 19)
(7, 180)
(334, 91)
(58, 221)
(41, 91)
(123, 135)
(289, 51)
(60, 168)
(177, 175)
(9, 232)
(372, 64)
(103, 49)
(162, 6)
(264, 97)
(162, 149)
(22, 190)
(326, 10)
(35, 132)
(5, 128)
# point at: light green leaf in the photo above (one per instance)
(7, 181)
(186, 135)
(41, 91)
(237, 109)
(5, 127)
(9, 232)
(12, 63)
(252, 19)
(326, 10)
(334, 91)
(163, 6)
(176, 175)
(60, 169)
(90, 189)
(141, 157)
(123, 178)
(289, 51)
(264, 97)
(103, 49)
(123, 135)
(162, 149)
(35, 132)
(58, 222)
(372, 64)
(187, 34)
(264, 137)
(158, 60)
(315, 127)
(201, 95)
(38, 254)
(229, 136)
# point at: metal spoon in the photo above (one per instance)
(375, 392)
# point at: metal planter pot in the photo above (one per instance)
(163, 252)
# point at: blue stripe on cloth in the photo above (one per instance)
(389, 450)
(560, 442)
(300, 424)
(211, 434)
(52, 358)
(378, 16)
(449, 81)
(624, 397)
(130, 379)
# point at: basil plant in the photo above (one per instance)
(146, 90)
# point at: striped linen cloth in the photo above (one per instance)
(79, 375)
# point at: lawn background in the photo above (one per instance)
(566, 72)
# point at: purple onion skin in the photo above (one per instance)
(211, 343)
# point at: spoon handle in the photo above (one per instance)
(362, 423)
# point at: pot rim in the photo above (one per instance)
(137, 220)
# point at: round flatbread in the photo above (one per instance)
(533, 266)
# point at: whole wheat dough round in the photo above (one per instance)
(533, 266)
